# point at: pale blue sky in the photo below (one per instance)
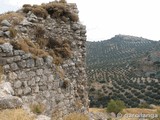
(106, 18)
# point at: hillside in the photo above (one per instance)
(123, 67)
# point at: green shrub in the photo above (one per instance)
(37, 108)
(115, 106)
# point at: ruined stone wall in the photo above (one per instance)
(61, 88)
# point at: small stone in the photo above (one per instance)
(9, 60)
(37, 79)
(31, 82)
(22, 64)
(14, 66)
(65, 65)
(51, 78)
(5, 23)
(31, 74)
(19, 52)
(72, 64)
(6, 68)
(42, 88)
(18, 84)
(39, 62)
(25, 22)
(27, 90)
(17, 58)
(75, 27)
(49, 28)
(4, 28)
(37, 89)
(25, 84)
(23, 29)
(12, 76)
(19, 91)
(32, 20)
(48, 60)
(6, 47)
(39, 71)
(113, 114)
(33, 16)
(83, 31)
(30, 63)
(10, 54)
(8, 34)
(21, 74)
(26, 56)
(43, 117)
(3, 61)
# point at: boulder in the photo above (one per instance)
(5, 28)
(7, 101)
(5, 23)
(6, 89)
(10, 102)
(6, 47)
(25, 22)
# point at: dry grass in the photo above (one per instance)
(54, 42)
(78, 104)
(42, 42)
(62, 1)
(37, 108)
(59, 50)
(20, 45)
(15, 114)
(59, 9)
(38, 52)
(37, 10)
(27, 5)
(76, 116)
(27, 9)
(39, 31)
(65, 83)
(40, 12)
(57, 60)
(73, 17)
(139, 110)
(56, 114)
(95, 110)
(56, 9)
(64, 52)
(13, 32)
(61, 47)
(156, 110)
(60, 72)
(2, 41)
(28, 46)
(14, 18)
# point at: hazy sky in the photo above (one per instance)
(106, 18)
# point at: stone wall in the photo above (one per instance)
(61, 88)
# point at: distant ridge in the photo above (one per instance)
(124, 67)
